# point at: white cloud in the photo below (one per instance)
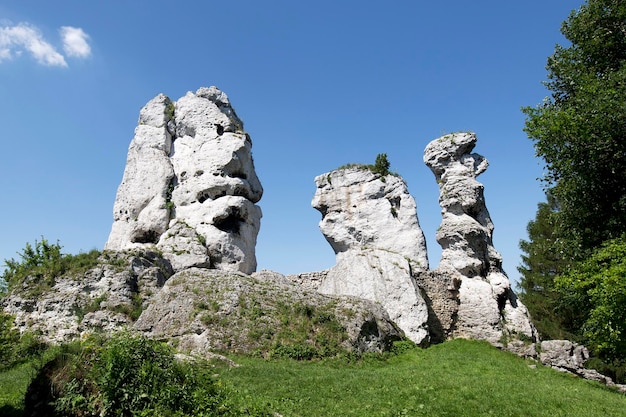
(75, 42)
(14, 39)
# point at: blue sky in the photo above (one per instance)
(317, 84)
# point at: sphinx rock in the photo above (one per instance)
(488, 309)
(189, 187)
(371, 223)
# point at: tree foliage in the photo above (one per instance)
(573, 277)
(596, 290)
(543, 259)
(580, 131)
(381, 165)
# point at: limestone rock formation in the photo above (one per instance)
(363, 210)
(203, 310)
(371, 223)
(488, 308)
(104, 298)
(189, 187)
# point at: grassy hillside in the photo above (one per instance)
(458, 378)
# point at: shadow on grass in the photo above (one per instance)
(10, 411)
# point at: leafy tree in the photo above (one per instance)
(596, 291)
(580, 131)
(575, 267)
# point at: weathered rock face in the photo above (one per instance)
(189, 186)
(204, 310)
(102, 299)
(371, 223)
(488, 308)
(362, 210)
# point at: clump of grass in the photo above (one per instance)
(306, 332)
(380, 167)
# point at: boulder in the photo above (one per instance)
(189, 187)
(371, 223)
(566, 356)
(384, 277)
(488, 309)
(203, 310)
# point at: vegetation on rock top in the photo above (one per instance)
(380, 166)
(40, 264)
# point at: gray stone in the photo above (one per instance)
(207, 310)
(101, 299)
(363, 210)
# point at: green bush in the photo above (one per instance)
(595, 289)
(40, 264)
(133, 376)
(381, 165)
(15, 348)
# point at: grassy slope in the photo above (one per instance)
(13, 384)
(458, 378)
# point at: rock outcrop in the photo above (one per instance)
(102, 299)
(203, 310)
(488, 309)
(189, 187)
(566, 356)
(371, 223)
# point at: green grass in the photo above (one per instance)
(458, 378)
(13, 384)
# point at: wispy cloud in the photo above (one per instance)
(75, 42)
(23, 37)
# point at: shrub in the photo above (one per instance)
(134, 376)
(16, 348)
(381, 165)
(40, 264)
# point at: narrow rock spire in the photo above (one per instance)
(488, 308)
